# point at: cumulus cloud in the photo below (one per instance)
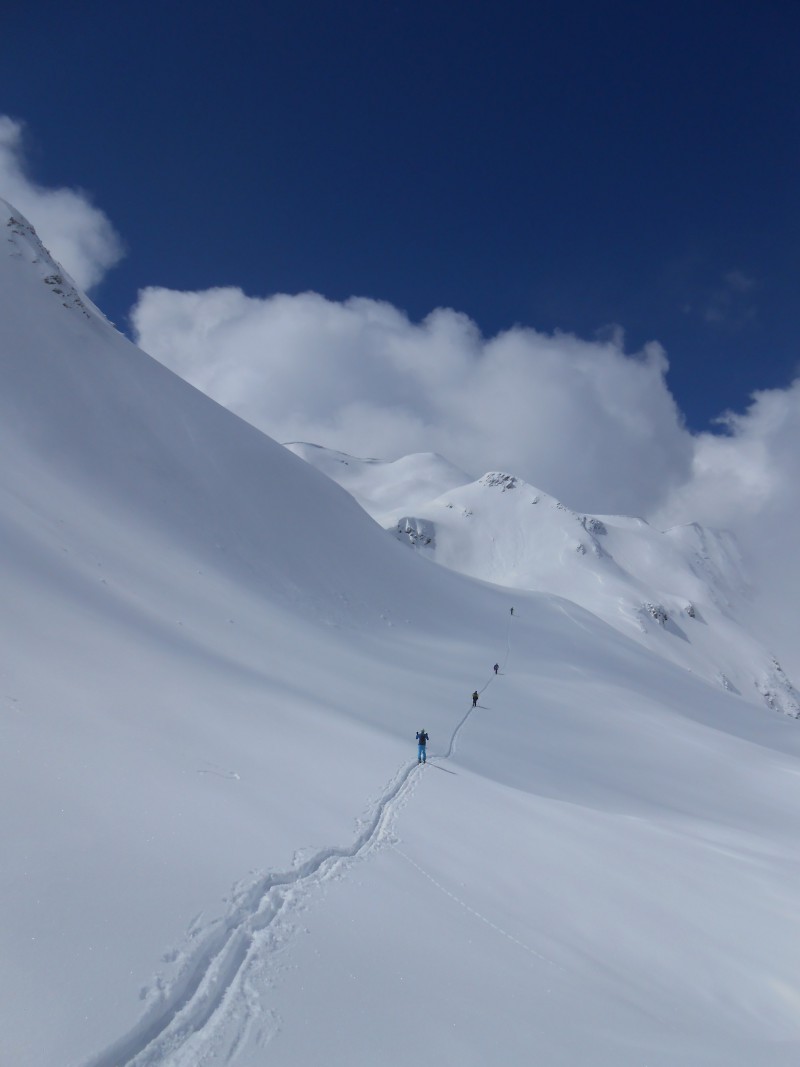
(580, 419)
(78, 235)
(747, 479)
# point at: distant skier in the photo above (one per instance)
(496, 668)
(512, 611)
(422, 740)
(475, 698)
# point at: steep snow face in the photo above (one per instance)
(217, 845)
(26, 246)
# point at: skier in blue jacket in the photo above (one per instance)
(422, 740)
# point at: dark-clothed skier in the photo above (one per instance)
(422, 740)
(496, 668)
(475, 698)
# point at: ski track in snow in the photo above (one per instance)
(467, 907)
(212, 985)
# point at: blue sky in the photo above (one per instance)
(556, 165)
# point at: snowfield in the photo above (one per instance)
(218, 847)
(681, 592)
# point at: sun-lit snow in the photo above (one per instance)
(681, 592)
(217, 845)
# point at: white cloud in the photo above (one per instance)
(748, 481)
(580, 419)
(78, 235)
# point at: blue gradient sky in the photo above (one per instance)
(563, 165)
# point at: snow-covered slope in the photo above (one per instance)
(681, 592)
(189, 644)
(218, 847)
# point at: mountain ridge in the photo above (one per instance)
(655, 585)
